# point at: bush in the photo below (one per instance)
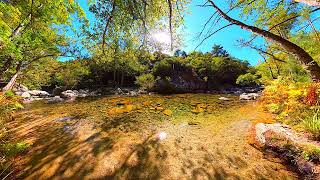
(248, 80)
(312, 123)
(146, 81)
(8, 103)
(294, 103)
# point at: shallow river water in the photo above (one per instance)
(189, 136)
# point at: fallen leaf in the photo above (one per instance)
(167, 112)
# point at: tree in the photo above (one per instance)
(218, 51)
(310, 65)
(30, 33)
(180, 53)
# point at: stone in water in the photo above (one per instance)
(162, 135)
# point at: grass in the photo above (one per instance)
(312, 123)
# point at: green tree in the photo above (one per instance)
(30, 33)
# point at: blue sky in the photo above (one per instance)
(227, 37)
(194, 23)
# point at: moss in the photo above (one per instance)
(12, 149)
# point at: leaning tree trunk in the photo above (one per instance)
(11, 83)
(310, 2)
(13, 80)
(307, 61)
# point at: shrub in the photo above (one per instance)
(8, 103)
(312, 123)
(248, 80)
(13, 149)
(146, 81)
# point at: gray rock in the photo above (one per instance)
(56, 99)
(20, 88)
(224, 99)
(280, 129)
(25, 95)
(118, 91)
(69, 94)
(39, 93)
(18, 93)
(249, 96)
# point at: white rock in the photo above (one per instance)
(69, 94)
(25, 95)
(249, 96)
(162, 136)
(224, 99)
(39, 93)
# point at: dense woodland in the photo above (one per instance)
(47, 44)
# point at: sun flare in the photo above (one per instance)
(162, 37)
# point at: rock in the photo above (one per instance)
(133, 93)
(249, 96)
(279, 129)
(191, 123)
(20, 88)
(118, 91)
(56, 99)
(288, 145)
(64, 119)
(39, 93)
(18, 93)
(71, 99)
(304, 166)
(25, 95)
(69, 94)
(224, 99)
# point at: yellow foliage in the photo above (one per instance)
(167, 112)
(159, 108)
(129, 108)
(146, 103)
(198, 110)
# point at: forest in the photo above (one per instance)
(157, 89)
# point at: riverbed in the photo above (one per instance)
(186, 136)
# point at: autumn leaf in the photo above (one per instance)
(167, 112)
(159, 108)
(129, 108)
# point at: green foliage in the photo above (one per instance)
(146, 81)
(9, 94)
(12, 149)
(248, 80)
(312, 123)
(71, 73)
(31, 34)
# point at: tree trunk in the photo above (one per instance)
(13, 80)
(122, 78)
(307, 61)
(11, 83)
(310, 2)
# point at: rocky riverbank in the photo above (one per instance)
(297, 149)
(58, 94)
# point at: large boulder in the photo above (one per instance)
(39, 93)
(249, 96)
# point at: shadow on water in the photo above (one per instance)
(123, 147)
